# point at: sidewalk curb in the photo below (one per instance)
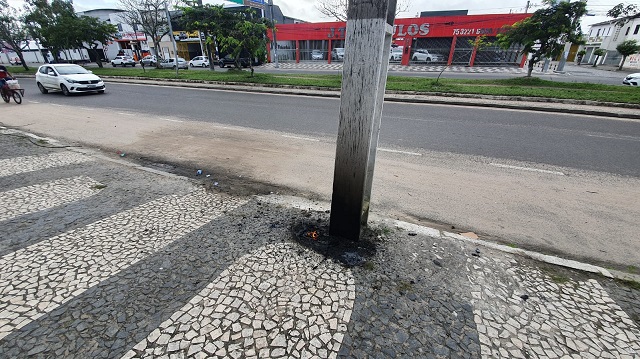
(302, 203)
(512, 103)
(307, 204)
(515, 103)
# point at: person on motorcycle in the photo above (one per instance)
(4, 76)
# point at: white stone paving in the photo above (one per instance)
(17, 165)
(560, 318)
(39, 278)
(26, 200)
(277, 302)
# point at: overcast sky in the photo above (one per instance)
(306, 9)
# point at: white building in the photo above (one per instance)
(607, 35)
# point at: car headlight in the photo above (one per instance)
(71, 81)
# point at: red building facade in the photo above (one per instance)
(447, 40)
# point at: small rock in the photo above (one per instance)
(413, 234)
(437, 262)
(524, 297)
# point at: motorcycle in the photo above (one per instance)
(12, 90)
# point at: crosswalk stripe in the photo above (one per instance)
(27, 200)
(277, 301)
(39, 278)
(17, 165)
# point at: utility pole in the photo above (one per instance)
(364, 78)
(526, 10)
(173, 39)
(273, 31)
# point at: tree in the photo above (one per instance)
(11, 30)
(598, 53)
(337, 9)
(54, 24)
(209, 19)
(94, 33)
(626, 48)
(247, 34)
(624, 13)
(546, 31)
(151, 15)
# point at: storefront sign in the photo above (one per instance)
(411, 30)
(479, 32)
(131, 36)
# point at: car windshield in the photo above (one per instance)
(71, 70)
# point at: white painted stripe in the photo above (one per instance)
(13, 166)
(43, 276)
(171, 120)
(126, 114)
(302, 138)
(527, 169)
(400, 152)
(34, 102)
(56, 105)
(623, 138)
(277, 296)
(40, 197)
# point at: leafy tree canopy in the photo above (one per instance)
(626, 48)
(545, 33)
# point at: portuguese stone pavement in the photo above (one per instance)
(100, 259)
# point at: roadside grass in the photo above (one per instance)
(520, 86)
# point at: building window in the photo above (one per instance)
(598, 34)
(627, 33)
(635, 32)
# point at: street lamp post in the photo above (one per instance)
(275, 42)
(173, 39)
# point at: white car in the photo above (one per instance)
(123, 61)
(632, 80)
(199, 61)
(395, 54)
(67, 78)
(423, 55)
(337, 53)
(171, 63)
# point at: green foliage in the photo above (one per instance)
(624, 13)
(12, 30)
(628, 47)
(236, 32)
(53, 23)
(545, 33)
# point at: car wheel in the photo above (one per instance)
(43, 90)
(133, 65)
(415, 58)
(174, 67)
(112, 64)
(65, 90)
(428, 59)
(191, 65)
(204, 65)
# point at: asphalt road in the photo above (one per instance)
(573, 141)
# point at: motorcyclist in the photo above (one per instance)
(4, 76)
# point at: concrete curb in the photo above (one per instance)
(549, 105)
(306, 204)
(606, 109)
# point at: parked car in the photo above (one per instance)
(200, 61)
(231, 62)
(317, 55)
(337, 53)
(171, 63)
(632, 80)
(123, 61)
(423, 55)
(395, 54)
(149, 60)
(67, 78)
